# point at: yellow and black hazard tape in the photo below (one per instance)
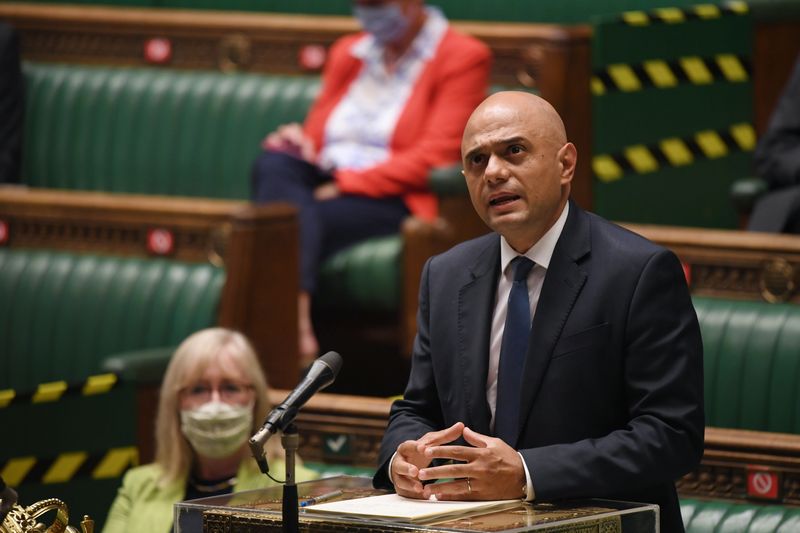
(661, 74)
(68, 466)
(55, 390)
(674, 152)
(677, 15)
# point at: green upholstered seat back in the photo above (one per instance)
(363, 277)
(701, 516)
(752, 364)
(152, 131)
(62, 313)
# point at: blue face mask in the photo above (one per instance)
(386, 23)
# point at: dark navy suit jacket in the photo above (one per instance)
(612, 401)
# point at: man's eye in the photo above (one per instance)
(477, 159)
(515, 149)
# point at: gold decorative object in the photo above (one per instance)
(234, 53)
(528, 71)
(777, 281)
(24, 519)
(218, 243)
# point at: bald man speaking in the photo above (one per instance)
(557, 357)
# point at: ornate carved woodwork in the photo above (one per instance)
(734, 264)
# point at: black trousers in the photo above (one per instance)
(325, 226)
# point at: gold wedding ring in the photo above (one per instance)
(469, 486)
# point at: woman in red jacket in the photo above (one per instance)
(393, 105)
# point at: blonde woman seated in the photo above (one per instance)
(213, 398)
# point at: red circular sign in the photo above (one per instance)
(160, 241)
(762, 482)
(312, 56)
(158, 50)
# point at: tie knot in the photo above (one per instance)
(522, 266)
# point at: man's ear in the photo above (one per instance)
(567, 159)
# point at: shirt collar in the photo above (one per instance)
(541, 252)
(423, 46)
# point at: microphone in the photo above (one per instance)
(320, 375)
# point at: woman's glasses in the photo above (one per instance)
(229, 392)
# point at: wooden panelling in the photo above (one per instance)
(734, 264)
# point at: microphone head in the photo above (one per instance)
(333, 361)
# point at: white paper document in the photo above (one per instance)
(397, 508)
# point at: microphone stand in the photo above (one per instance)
(290, 441)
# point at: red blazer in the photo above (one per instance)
(428, 132)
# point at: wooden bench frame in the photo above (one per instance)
(260, 294)
(733, 264)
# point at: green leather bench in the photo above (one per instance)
(712, 516)
(153, 131)
(752, 364)
(94, 306)
(61, 315)
(192, 133)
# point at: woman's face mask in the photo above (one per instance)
(217, 429)
(386, 23)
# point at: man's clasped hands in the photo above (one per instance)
(487, 469)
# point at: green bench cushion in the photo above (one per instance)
(701, 516)
(363, 277)
(62, 313)
(152, 131)
(752, 364)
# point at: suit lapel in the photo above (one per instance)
(562, 284)
(475, 304)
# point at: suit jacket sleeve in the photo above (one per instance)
(418, 412)
(663, 376)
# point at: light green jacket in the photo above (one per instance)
(142, 505)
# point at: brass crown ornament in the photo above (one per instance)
(25, 519)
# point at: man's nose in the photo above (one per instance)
(496, 170)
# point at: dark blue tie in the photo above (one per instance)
(512, 353)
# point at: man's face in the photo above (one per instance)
(518, 167)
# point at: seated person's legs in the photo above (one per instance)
(325, 226)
